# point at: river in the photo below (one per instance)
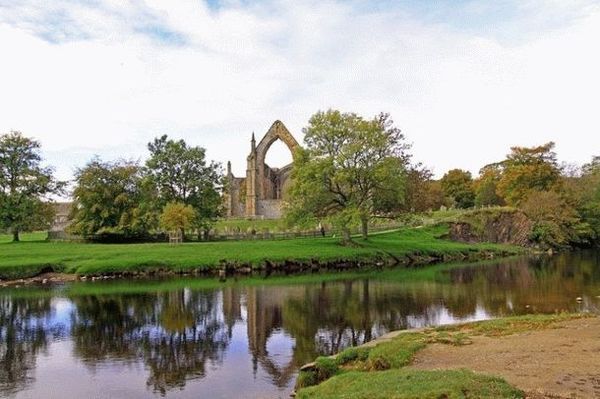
(200, 338)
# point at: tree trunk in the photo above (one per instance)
(16, 235)
(346, 239)
(364, 227)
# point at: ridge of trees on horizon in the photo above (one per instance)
(350, 170)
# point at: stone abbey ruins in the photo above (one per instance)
(261, 193)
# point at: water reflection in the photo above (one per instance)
(249, 340)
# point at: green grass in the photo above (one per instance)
(411, 384)
(508, 325)
(26, 237)
(396, 353)
(376, 372)
(29, 258)
(244, 225)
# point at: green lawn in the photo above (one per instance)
(35, 236)
(29, 258)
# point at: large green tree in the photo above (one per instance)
(528, 169)
(486, 186)
(25, 186)
(349, 169)
(588, 203)
(110, 198)
(458, 186)
(182, 174)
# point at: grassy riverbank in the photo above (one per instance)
(376, 370)
(29, 258)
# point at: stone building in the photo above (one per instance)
(262, 192)
(62, 218)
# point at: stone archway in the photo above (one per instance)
(264, 185)
(277, 131)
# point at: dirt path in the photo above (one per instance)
(553, 363)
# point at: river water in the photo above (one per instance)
(199, 338)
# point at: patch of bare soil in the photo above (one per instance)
(561, 362)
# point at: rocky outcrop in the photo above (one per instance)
(501, 226)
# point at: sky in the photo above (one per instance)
(464, 80)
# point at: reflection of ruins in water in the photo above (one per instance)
(182, 335)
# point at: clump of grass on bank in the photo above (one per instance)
(376, 372)
(24, 259)
(400, 384)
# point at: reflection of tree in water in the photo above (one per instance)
(194, 334)
(175, 333)
(526, 285)
(328, 318)
(23, 334)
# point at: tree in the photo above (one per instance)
(555, 222)
(421, 192)
(181, 173)
(177, 216)
(347, 164)
(528, 169)
(588, 203)
(25, 186)
(458, 186)
(486, 186)
(110, 198)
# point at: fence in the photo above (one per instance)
(229, 236)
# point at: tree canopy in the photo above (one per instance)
(181, 173)
(350, 169)
(486, 186)
(528, 169)
(25, 186)
(109, 199)
(458, 186)
(177, 216)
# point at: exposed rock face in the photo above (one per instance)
(506, 226)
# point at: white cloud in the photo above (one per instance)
(108, 79)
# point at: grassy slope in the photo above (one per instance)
(28, 258)
(405, 384)
(377, 372)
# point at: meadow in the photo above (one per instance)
(33, 254)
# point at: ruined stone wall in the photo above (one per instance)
(270, 208)
(265, 187)
(235, 202)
